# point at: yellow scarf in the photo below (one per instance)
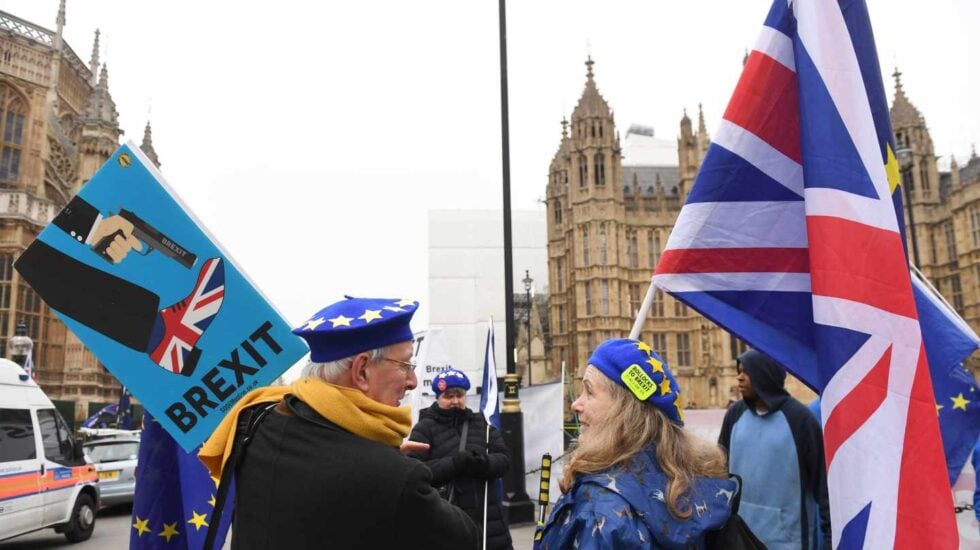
(348, 408)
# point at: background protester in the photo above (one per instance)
(776, 445)
(636, 479)
(323, 468)
(463, 469)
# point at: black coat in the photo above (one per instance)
(442, 429)
(307, 483)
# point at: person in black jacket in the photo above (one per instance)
(323, 468)
(466, 474)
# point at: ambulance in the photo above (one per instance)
(45, 480)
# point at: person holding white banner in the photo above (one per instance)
(465, 463)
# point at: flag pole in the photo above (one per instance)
(644, 311)
(486, 490)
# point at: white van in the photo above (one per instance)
(44, 478)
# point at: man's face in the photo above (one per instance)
(453, 398)
(745, 384)
(594, 401)
(391, 377)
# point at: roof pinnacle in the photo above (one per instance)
(589, 63)
(93, 64)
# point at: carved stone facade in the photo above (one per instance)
(58, 125)
(608, 220)
(942, 212)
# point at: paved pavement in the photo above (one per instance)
(112, 532)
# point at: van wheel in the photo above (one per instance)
(82, 521)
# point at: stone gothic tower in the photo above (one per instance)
(920, 177)
(691, 148)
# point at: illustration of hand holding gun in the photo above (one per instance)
(117, 308)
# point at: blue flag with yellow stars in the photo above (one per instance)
(175, 496)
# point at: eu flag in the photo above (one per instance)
(175, 495)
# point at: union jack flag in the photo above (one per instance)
(789, 238)
(185, 321)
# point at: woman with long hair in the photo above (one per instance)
(636, 478)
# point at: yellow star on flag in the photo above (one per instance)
(405, 302)
(370, 315)
(959, 402)
(393, 308)
(142, 526)
(939, 408)
(169, 530)
(665, 387)
(643, 346)
(199, 520)
(212, 501)
(313, 323)
(657, 365)
(341, 321)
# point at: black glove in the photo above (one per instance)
(460, 460)
(477, 463)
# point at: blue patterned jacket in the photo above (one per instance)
(624, 507)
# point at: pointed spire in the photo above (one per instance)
(564, 127)
(973, 151)
(954, 171)
(702, 130)
(60, 22)
(93, 64)
(100, 108)
(147, 145)
(898, 82)
(589, 63)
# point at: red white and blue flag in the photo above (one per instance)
(789, 238)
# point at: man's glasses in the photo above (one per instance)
(406, 366)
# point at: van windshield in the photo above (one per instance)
(112, 452)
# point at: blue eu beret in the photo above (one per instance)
(355, 325)
(635, 366)
(448, 379)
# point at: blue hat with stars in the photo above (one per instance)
(635, 366)
(355, 325)
(448, 379)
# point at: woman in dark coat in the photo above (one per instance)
(462, 476)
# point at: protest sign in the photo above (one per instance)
(138, 279)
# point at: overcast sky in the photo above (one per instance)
(312, 137)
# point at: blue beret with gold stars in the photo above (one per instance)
(635, 366)
(355, 325)
(448, 379)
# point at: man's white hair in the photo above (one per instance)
(332, 371)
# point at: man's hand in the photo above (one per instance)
(409, 446)
(121, 232)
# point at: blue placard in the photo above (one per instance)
(137, 279)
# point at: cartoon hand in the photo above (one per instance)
(113, 238)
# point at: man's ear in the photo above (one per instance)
(358, 371)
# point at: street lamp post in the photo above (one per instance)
(528, 281)
(904, 155)
(21, 345)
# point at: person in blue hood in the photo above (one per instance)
(776, 445)
(636, 478)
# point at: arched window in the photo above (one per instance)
(585, 247)
(603, 257)
(13, 115)
(557, 212)
(600, 168)
(583, 171)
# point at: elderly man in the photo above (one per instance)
(322, 467)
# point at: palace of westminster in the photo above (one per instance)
(609, 216)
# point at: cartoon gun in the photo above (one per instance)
(149, 235)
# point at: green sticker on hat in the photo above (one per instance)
(638, 382)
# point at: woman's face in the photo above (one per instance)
(594, 401)
(453, 398)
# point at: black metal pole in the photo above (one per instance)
(517, 506)
(528, 298)
(908, 204)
